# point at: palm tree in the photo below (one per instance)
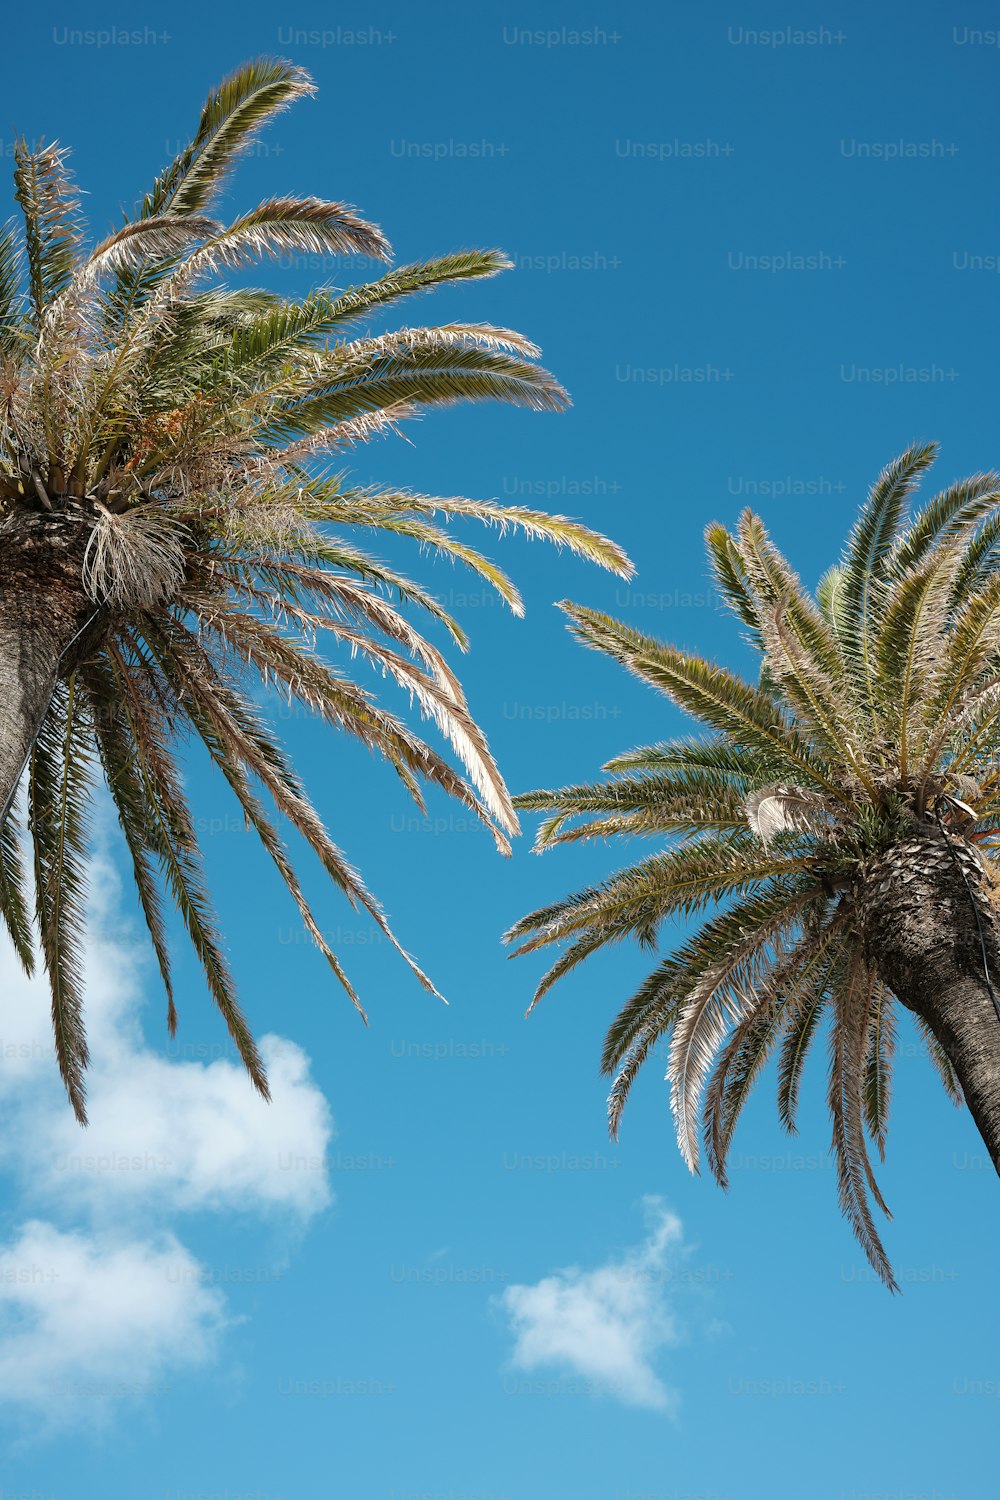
(172, 531)
(836, 828)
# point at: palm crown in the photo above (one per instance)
(173, 437)
(877, 712)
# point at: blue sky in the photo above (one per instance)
(763, 262)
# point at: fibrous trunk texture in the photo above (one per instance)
(920, 903)
(46, 624)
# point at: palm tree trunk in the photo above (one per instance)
(920, 904)
(28, 664)
(44, 626)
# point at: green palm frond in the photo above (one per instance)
(232, 117)
(852, 991)
(748, 932)
(949, 514)
(14, 897)
(58, 785)
(908, 647)
(405, 281)
(285, 226)
(774, 584)
(722, 997)
(803, 655)
(830, 598)
(14, 331)
(693, 802)
(734, 1075)
(720, 756)
(120, 764)
(50, 206)
(878, 1067)
(679, 882)
(730, 576)
(710, 693)
(746, 924)
(862, 585)
(170, 832)
(434, 374)
(979, 560)
(808, 982)
(405, 514)
(582, 541)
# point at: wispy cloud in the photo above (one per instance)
(607, 1325)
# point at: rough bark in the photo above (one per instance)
(47, 624)
(922, 936)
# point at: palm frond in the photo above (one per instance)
(688, 802)
(171, 836)
(734, 1075)
(220, 716)
(830, 598)
(853, 987)
(773, 582)
(710, 693)
(432, 375)
(878, 1066)
(719, 755)
(120, 763)
(979, 560)
(862, 583)
(580, 540)
(908, 647)
(743, 929)
(405, 281)
(232, 117)
(58, 786)
(50, 205)
(14, 331)
(730, 575)
(637, 900)
(14, 904)
(288, 226)
(254, 813)
(805, 980)
(144, 240)
(950, 513)
(718, 1001)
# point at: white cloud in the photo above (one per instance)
(92, 1323)
(607, 1325)
(124, 1302)
(196, 1132)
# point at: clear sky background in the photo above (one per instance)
(424, 1272)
